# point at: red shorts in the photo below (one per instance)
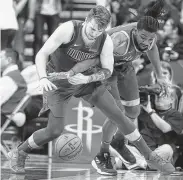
(126, 81)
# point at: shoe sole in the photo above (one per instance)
(115, 153)
(99, 171)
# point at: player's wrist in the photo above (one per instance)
(44, 77)
(71, 73)
(90, 79)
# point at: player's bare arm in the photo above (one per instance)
(61, 35)
(107, 65)
(120, 45)
(106, 59)
(154, 57)
(78, 68)
(107, 62)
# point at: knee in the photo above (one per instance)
(119, 104)
(132, 111)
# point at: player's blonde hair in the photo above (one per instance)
(101, 16)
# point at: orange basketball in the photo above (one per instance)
(68, 147)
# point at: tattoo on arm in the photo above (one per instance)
(100, 75)
(85, 65)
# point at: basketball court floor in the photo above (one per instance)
(41, 167)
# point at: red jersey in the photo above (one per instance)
(132, 52)
(67, 55)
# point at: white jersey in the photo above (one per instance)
(8, 19)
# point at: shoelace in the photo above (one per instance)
(108, 162)
(21, 163)
(21, 160)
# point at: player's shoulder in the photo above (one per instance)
(120, 37)
(108, 41)
(66, 30)
(69, 25)
(107, 46)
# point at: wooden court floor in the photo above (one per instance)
(41, 167)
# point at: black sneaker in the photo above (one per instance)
(119, 149)
(102, 163)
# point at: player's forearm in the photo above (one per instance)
(79, 68)
(41, 61)
(154, 57)
(101, 75)
(84, 65)
(157, 68)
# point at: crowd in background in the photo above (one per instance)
(21, 17)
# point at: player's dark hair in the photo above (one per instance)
(13, 54)
(101, 15)
(152, 12)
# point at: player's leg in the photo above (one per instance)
(118, 145)
(40, 137)
(109, 128)
(107, 105)
(54, 128)
(129, 93)
(104, 103)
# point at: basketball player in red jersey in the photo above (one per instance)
(58, 93)
(130, 42)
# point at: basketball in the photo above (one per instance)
(68, 147)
